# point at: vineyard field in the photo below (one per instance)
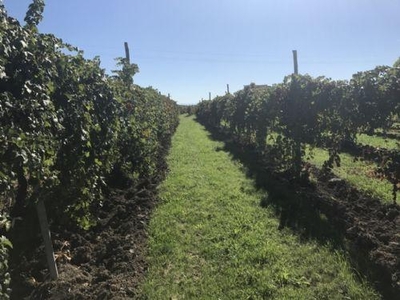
(362, 224)
(112, 190)
(211, 238)
(324, 143)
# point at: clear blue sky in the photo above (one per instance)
(192, 47)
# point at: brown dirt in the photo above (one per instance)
(106, 262)
(369, 229)
(373, 229)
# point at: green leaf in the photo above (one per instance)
(6, 242)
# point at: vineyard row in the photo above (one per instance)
(68, 130)
(303, 111)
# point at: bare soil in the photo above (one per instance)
(371, 227)
(105, 262)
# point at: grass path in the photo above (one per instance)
(210, 238)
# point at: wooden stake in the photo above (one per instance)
(127, 55)
(296, 67)
(48, 245)
(227, 88)
(209, 96)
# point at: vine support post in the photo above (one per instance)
(296, 66)
(127, 55)
(227, 88)
(209, 96)
(297, 159)
(44, 228)
(296, 133)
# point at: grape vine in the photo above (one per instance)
(66, 127)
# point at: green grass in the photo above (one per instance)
(210, 238)
(377, 141)
(358, 173)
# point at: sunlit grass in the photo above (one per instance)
(359, 173)
(210, 238)
(377, 141)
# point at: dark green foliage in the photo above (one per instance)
(304, 111)
(28, 116)
(35, 13)
(5, 246)
(65, 125)
(371, 89)
(128, 71)
(187, 109)
(147, 122)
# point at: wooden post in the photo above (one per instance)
(296, 67)
(297, 145)
(48, 245)
(227, 88)
(209, 96)
(127, 55)
(169, 96)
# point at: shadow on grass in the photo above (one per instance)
(308, 211)
(295, 211)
